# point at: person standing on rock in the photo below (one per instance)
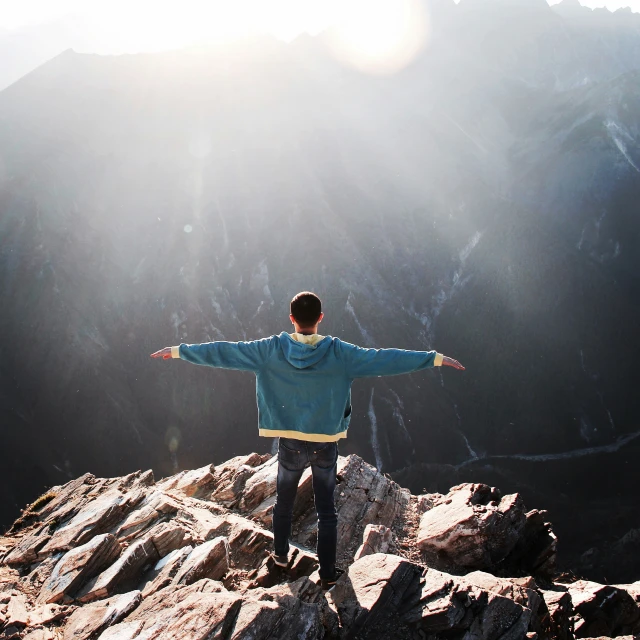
(303, 384)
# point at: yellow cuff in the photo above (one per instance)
(438, 361)
(175, 352)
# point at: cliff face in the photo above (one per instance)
(188, 557)
(482, 202)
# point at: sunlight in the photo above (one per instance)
(380, 36)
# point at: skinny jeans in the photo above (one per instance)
(294, 456)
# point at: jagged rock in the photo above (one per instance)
(196, 483)
(79, 565)
(450, 604)
(209, 560)
(201, 610)
(535, 551)
(151, 509)
(17, 614)
(177, 546)
(375, 539)
(86, 622)
(97, 516)
(168, 536)
(603, 610)
(301, 563)
(560, 611)
(373, 589)
(123, 574)
(231, 478)
(46, 614)
(472, 527)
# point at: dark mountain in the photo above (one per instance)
(482, 202)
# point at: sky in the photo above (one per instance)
(131, 25)
(373, 35)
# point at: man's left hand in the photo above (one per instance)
(450, 362)
(165, 353)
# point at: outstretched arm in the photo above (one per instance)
(362, 363)
(243, 356)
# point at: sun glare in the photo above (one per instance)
(379, 36)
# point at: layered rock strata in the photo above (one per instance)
(188, 557)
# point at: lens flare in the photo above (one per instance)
(380, 36)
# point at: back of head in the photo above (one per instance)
(306, 308)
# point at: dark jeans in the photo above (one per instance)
(293, 457)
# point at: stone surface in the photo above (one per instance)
(123, 574)
(472, 527)
(375, 539)
(197, 483)
(136, 560)
(372, 589)
(86, 622)
(603, 610)
(208, 560)
(560, 610)
(79, 565)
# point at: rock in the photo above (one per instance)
(603, 610)
(201, 610)
(523, 591)
(41, 634)
(151, 509)
(123, 574)
(168, 536)
(260, 485)
(17, 614)
(560, 610)
(46, 614)
(196, 483)
(376, 539)
(79, 565)
(96, 517)
(164, 571)
(209, 560)
(371, 590)
(472, 527)
(86, 622)
(448, 604)
(535, 551)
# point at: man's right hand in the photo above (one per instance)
(165, 353)
(450, 362)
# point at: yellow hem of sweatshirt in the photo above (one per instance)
(298, 435)
(175, 352)
(307, 339)
(438, 361)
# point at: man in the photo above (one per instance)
(303, 388)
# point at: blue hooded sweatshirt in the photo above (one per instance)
(303, 382)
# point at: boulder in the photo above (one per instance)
(451, 605)
(372, 590)
(472, 527)
(603, 610)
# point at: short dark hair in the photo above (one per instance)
(306, 308)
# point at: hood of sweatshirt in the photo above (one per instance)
(302, 351)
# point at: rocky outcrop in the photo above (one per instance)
(475, 527)
(188, 557)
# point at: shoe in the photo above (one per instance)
(280, 561)
(328, 583)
